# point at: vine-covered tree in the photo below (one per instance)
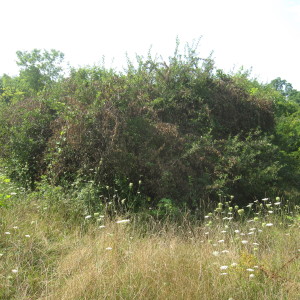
(190, 133)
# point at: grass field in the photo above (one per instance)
(234, 253)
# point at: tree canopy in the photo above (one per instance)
(39, 68)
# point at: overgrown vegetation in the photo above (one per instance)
(118, 185)
(183, 128)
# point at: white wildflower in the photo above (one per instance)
(216, 253)
(223, 267)
(123, 221)
(251, 276)
(269, 224)
(14, 270)
(225, 251)
(244, 242)
(108, 248)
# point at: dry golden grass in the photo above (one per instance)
(137, 260)
(164, 266)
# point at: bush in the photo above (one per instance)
(24, 135)
(188, 133)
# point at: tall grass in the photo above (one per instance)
(45, 255)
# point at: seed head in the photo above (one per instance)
(241, 212)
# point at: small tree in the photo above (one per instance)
(39, 68)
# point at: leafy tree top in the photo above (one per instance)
(39, 68)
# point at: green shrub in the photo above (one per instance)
(188, 132)
(24, 131)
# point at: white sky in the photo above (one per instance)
(262, 34)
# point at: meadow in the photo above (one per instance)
(249, 252)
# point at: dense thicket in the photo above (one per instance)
(178, 130)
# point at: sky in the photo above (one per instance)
(262, 35)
